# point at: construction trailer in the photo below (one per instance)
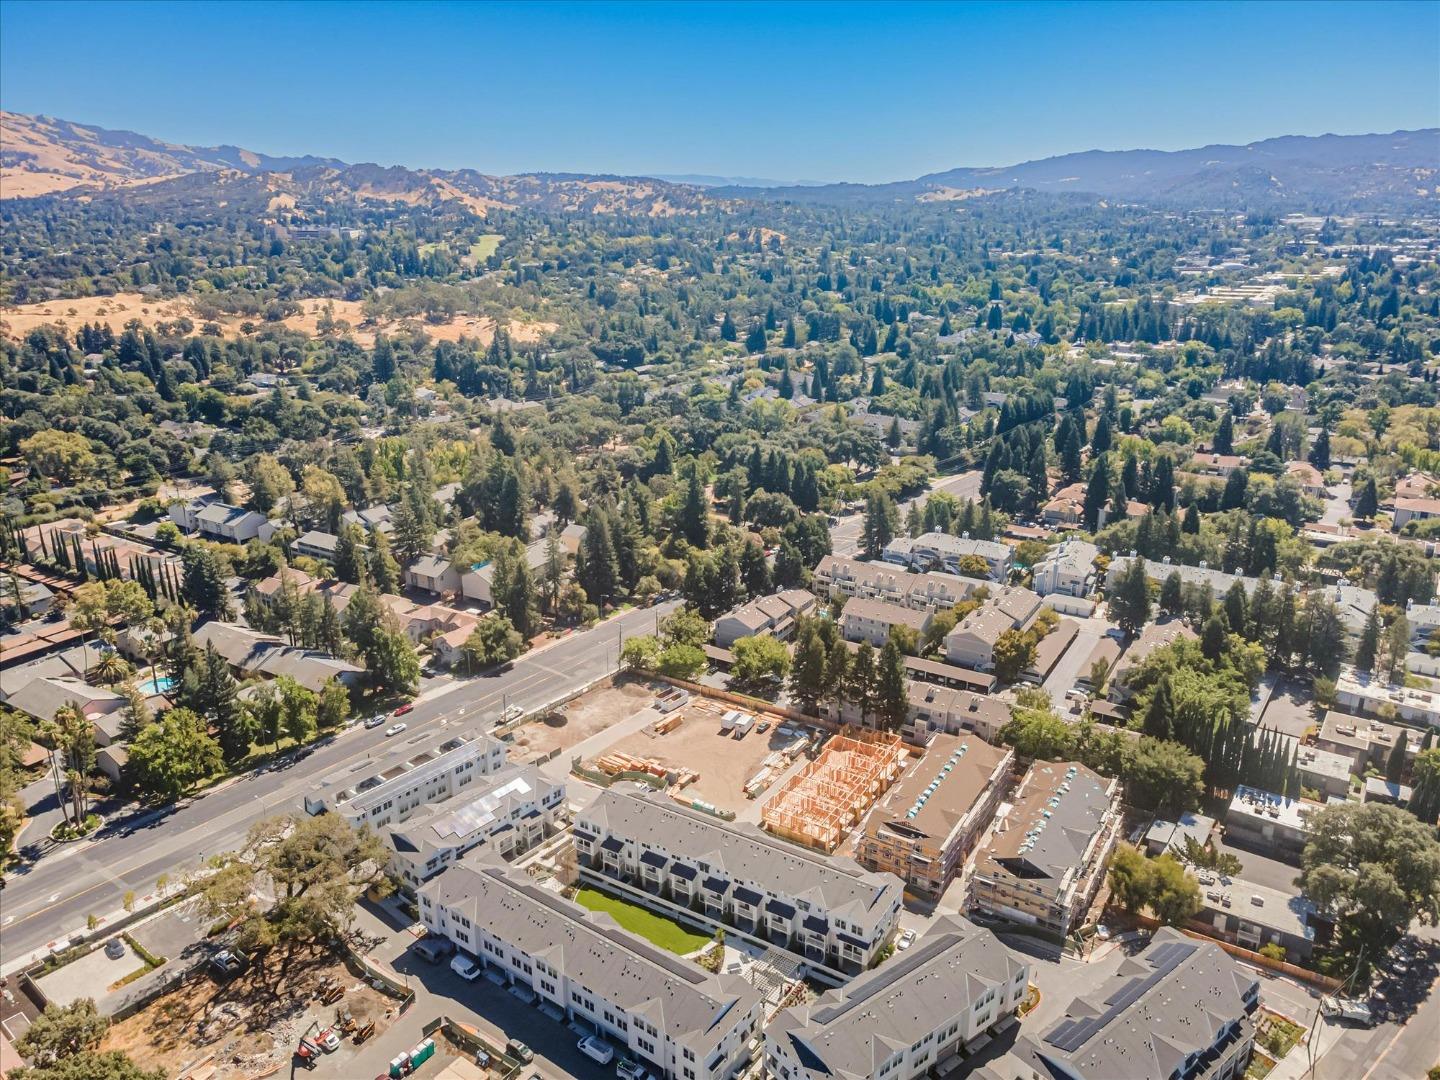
(819, 804)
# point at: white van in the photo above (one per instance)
(727, 722)
(467, 969)
(596, 1049)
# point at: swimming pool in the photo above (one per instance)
(161, 685)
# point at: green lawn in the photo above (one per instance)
(664, 932)
(483, 248)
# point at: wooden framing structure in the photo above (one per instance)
(832, 793)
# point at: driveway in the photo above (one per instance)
(1069, 667)
(1337, 506)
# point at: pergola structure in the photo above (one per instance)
(819, 803)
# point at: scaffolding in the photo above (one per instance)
(831, 794)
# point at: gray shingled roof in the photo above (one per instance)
(1172, 1000)
(674, 995)
(744, 853)
(852, 1030)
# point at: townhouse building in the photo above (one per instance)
(1180, 1010)
(872, 620)
(942, 551)
(929, 822)
(391, 786)
(678, 1020)
(1046, 857)
(828, 911)
(913, 1016)
(512, 810)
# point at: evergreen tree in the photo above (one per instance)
(859, 683)
(1224, 440)
(754, 570)
(1368, 648)
(1097, 493)
(694, 511)
(892, 697)
(1367, 500)
(1395, 763)
(882, 522)
(807, 675)
(1130, 606)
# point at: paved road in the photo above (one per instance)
(50, 899)
(1072, 662)
(845, 535)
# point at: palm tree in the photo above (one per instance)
(73, 738)
(110, 668)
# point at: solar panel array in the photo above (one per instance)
(1069, 1035)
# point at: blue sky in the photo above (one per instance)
(793, 91)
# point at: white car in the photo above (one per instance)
(394, 729)
(466, 968)
(375, 721)
(596, 1049)
(907, 938)
(512, 712)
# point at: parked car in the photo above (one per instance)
(394, 729)
(375, 721)
(227, 963)
(115, 948)
(512, 712)
(596, 1049)
(631, 1070)
(403, 709)
(906, 939)
(434, 949)
(467, 969)
(519, 1051)
(762, 727)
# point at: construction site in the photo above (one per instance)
(709, 754)
(819, 804)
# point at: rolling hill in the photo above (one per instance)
(41, 155)
(1320, 172)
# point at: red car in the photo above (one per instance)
(402, 710)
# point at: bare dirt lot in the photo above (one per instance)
(587, 715)
(250, 1024)
(723, 762)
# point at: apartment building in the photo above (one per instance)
(1180, 1010)
(680, 1021)
(221, 521)
(836, 576)
(872, 620)
(1360, 692)
(251, 653)
(512, 810)
(1366, 743)
(1197, 577)
(941, 709)
(388, 788)
(1068, 569)
(1326, 771)
(1252, 915)
(929, 822)
(972, 642)
(1270, 823)
(772, 616)
(828, 911)
(1047, 855)
(912, 1016)
(941, 551)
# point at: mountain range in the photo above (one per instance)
(41, 155)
